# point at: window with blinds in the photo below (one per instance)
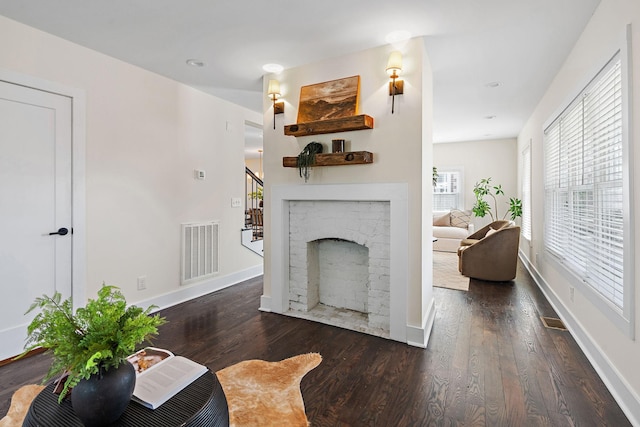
(584, 203)
(447, 191)
(526, 193)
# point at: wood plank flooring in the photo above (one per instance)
(490, 361)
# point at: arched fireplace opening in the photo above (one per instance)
(338, 275)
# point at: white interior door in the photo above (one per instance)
(35, 200)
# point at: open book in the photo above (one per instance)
(160, 375)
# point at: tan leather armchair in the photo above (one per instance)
(493, 257)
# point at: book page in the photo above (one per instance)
(165, 380)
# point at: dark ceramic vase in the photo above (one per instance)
(102, 398)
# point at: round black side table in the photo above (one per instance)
(201, 404)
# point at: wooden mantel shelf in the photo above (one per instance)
(334, 159)
(342, 124)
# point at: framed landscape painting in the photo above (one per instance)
(329, 100)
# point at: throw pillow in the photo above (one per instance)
(442, 221)
(460, 218)
(490, 232)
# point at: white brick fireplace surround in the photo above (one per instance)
(348, 235)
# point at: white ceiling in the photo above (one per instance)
(519, 43)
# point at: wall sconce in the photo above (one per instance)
(394, 67)
(274, 93)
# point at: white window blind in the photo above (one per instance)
(446, 192)
(526, 193)
(584, 202)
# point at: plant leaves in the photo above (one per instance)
(101, 334)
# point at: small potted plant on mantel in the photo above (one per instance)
(90, 347)
(307, 158)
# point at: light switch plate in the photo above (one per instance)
(236, 202)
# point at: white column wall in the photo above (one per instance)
(397, 141)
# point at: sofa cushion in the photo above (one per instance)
(460, 218)
(449, 232)
(442, 220)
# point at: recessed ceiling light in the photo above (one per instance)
(272, 68)
(492, 84)
(489, 117)
(397, 36)
(195, 63)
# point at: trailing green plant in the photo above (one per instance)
(435, 176)
(98, 336)
(481, 208)
(307, 158)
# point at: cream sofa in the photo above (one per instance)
(449, 228)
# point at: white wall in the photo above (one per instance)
(397, 141)
(482, 159)
(613, 353)
(145, 134)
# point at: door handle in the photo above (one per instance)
(61, 231)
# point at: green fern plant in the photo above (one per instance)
(98, 336)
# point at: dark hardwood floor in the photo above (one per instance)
(490, 361)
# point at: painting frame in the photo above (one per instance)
(329, 100)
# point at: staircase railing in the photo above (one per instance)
(254, 188)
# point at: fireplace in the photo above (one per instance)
(339, 263)
(339, 256)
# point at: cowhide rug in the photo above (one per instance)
(263, 393)
(20, 402)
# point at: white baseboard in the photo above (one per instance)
(189, 292)
(616, 384)
(419, 337)
(265, 303)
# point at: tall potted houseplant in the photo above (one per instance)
(90, 347)
(481, 208)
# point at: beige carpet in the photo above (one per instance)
(263, 393)
(445, 272)
(20, 402)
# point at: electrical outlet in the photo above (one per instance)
(572, 291)
(142, 283)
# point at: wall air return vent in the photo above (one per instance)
(200, 251)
